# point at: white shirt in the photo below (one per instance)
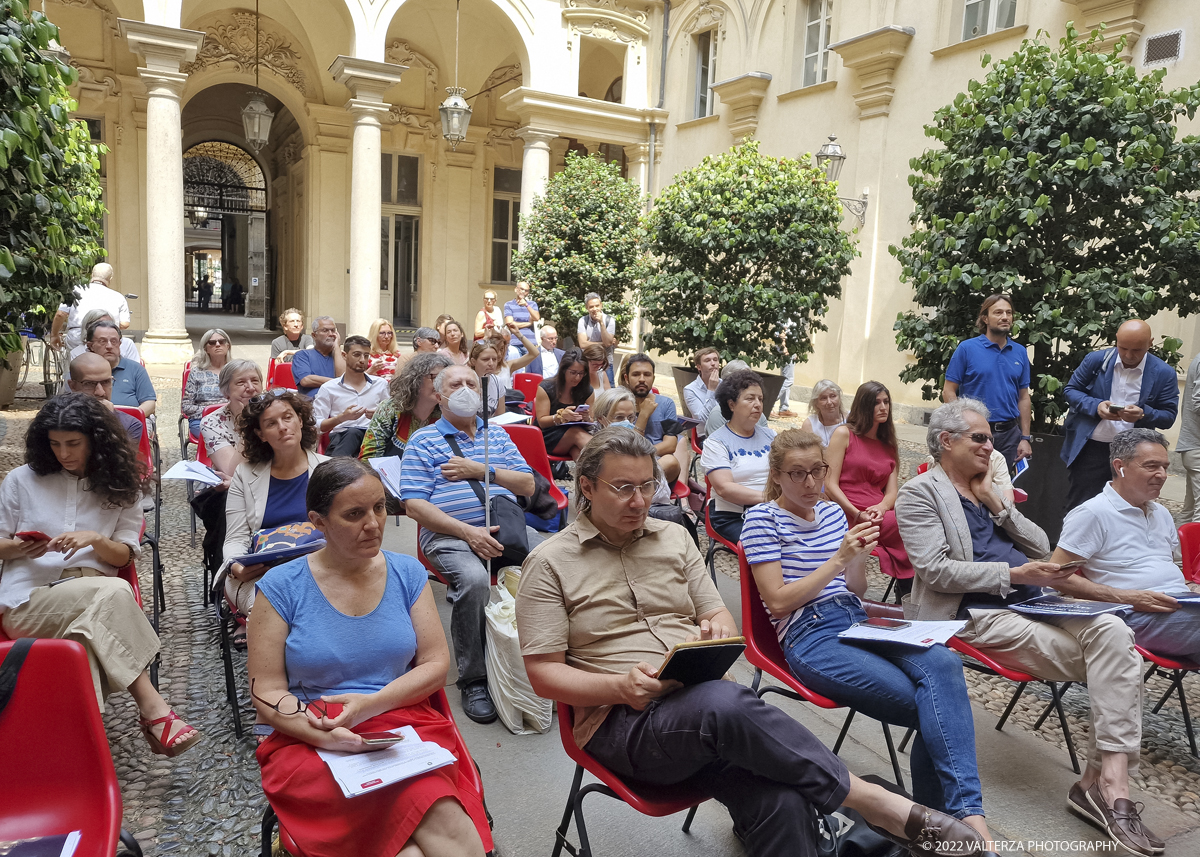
(746, 457)
(824, 432)
(549, 363)
(1126, 390)
(128, 350)
(90, 297)
(1124, 547)
(335, 396)
(699, 399)
(56, 504)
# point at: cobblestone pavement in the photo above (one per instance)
(209, 801)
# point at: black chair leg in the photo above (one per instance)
(907, 737)
(129, 845)
(1062, 721)
(710, 560)
(268, 828)
(890, 586)
(687, 822)
(887, 739)
(842, 734)
(560, 835)
(1176, 687)
(1037, 724)
(1012, 703)
(224, 619)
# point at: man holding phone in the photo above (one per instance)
(1114, 389)
(974, 554)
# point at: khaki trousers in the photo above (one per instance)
(241, 593)
(1191, 480)
(97, 611)
(1094, 649)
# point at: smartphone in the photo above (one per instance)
(32, 536)
(1072, 565)
(884, 622)
(582, 409)
(380, 739)
(329, 710)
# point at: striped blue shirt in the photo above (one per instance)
(421, 468)
(772, 534)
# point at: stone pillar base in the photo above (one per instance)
(167, 347)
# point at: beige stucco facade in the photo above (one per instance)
(542, 76)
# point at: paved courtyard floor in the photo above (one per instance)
(209, 801)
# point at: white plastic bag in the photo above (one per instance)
(520, 709)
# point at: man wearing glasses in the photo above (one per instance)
(90, 374)
(970, 550)
(600, 605)
(131, 385)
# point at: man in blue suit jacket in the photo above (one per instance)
(543, 361)
(1113, 390)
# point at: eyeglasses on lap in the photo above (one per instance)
(816, 474)
(625, 492)
(298, 704)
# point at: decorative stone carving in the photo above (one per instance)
(401, 53)
(707, 16)
(417, 123)
(606, 19)
(502, 74)
(110, 16)
(1120, 18)
(95, 87)
(875, 57)
(743, 94)
(233, 44)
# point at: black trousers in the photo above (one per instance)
(767, 769)
(727, 524)
(1087, 474)
(346, 443)
(1006, 443)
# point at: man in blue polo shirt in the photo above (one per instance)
(637, 375)
(131, 385)
(315, 366)
(995, 370)
(442, 490)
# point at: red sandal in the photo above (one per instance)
(184, 740)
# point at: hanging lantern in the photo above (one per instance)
(456, 116)
(198, 217)
(256, 121)
(830, 158)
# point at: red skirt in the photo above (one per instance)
(325, 823)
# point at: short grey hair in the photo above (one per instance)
(1124, 445)
(951, 417)
(819, 389)
(316, 322)
(733, 366)
(102, 322)
(591, 296)
(440, 381)
(405, 388)
(430, 334)
(94, 315)
(614, 440)
(232, 369)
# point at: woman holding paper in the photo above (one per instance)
(69, 519)
(278, 439)
(345, 641)
(810, 569)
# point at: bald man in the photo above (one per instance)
(1114, 389)
(91, 374)
(95, 295)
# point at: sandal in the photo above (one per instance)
(185, 739)
(238, 640)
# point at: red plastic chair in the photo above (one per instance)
(441, 705)
(716, 542)
(663, 801)
(282, 378)
(680, 492)
(529, 442)
(765, 655)
(1189, 542)
(59, 769)
(526, 383)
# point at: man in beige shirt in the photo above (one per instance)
(600, 605)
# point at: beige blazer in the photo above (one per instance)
(938, 540)
(247, 504)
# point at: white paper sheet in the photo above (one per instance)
(509, 418)
(388, 468)
(920, 634)
(193, 471)
(359, 773)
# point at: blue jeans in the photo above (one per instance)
(1176, 635)
(902, 685)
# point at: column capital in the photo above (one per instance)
(366, 111)
(160, 48)
(161, 83)
(638, 154)
(536, 136)
(367, 80)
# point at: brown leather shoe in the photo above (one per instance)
(1078, 803)
(929, 833)
(1123, 824)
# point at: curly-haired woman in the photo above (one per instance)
(72, 512)
(413, 405)
(279, 437)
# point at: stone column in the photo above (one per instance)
(367, 82)
(162, 50)
(535, 167)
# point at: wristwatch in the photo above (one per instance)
(491, 473)
(1027, 437)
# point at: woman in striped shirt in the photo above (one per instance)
(810, 569)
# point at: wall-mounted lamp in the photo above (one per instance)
(830, 158)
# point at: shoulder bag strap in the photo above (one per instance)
(11, 667)
(476, 485)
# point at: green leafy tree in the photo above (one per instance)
(583, 235)
(742, 245)
(1060, 180)
(50, 208)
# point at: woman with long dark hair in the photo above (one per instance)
(556, 406)
(863, 459)
(73, 513)
(356, 626)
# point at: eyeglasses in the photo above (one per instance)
(215, 341)
(625, 492)
(816, 474)
(979, 437)
(302, 703)
(264, 396)
(91, 386)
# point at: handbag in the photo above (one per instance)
(505, 514)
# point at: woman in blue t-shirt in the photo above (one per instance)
(810, 570)
(344, 641)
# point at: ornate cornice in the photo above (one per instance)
(1120, 18)
(99, 87)
(232, 43)
(415, 122)
(743, 95)
(874, 56)
(707, 16)
(607, 19)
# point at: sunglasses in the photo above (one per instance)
(215, 341)
(980, 438)
(264, 396)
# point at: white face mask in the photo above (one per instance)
(464, 402)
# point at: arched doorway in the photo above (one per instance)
(225, 200)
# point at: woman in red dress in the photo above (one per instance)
(863, 479)
(344, 641)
